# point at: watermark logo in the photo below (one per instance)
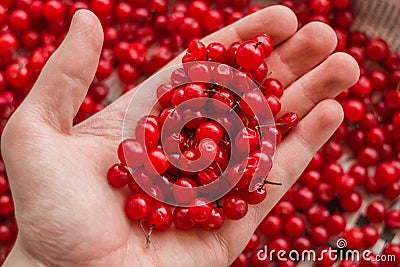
(339, 254)
(341, 243)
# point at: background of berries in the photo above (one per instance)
(141, 36)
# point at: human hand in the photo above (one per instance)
(68, 214)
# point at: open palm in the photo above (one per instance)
(68, 214)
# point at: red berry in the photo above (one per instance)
(247, 140)
(319, 235)
(256, 196)
(393, 220)
(216, 52)
(250, 55)
(273, 87)
(304, 198)
(371, 236)
(344, 185)
(354, 238)
(253, 103)
(6, 205)
(377, 49)
(131, 153)
(335, 224)
(265, 42)
(118, 176)
(160, 217)
(138, 207)
(234, 207)
(184, 190)
(157, 161)
(294, 227)
(322, 7)
(54, 11)
(351, 203)
(386, 174)
(271, 226)
(376, 212)
(215, 221)
(182, 219)
(317, 214)
(287, 121)
(200, 210)
(354, 110)
(210, 130)
(283, 209)
(19, 21)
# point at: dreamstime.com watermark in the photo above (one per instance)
(334, 254)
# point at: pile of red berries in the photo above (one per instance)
(217, 152)
(361, 160)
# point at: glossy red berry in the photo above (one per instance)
(371, 235)
(376, 49)
(317, 214)
(393, 220)
(249, 55)
(234, 207)
(131, 153)
(157, 161)
(210, 130)
(118, 176)
(215, 221)
(354, 110)
(138, 207)
(287, 121)
(271, 226)
(376, 212)
(200, 210)
(351, 203)
(253, 103)
(354, 238)
(322, 7)
(335, 224)
(386, 174)
(304, 198)
(184, 190)
(6, 205)
(319, 235)
(344, 185)
(265, 41)
(54, 11)
(247, 140)
(160, 217)
(182, 219)
(294, 227)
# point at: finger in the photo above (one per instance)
(292, 157)
(330, 78)
(63, 83)
(303, 51)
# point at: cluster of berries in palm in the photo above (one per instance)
(206, 153)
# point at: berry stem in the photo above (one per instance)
(269, 182)
(146, 234)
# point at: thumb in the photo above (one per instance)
(65, 79)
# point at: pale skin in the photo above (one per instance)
(67, 213)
